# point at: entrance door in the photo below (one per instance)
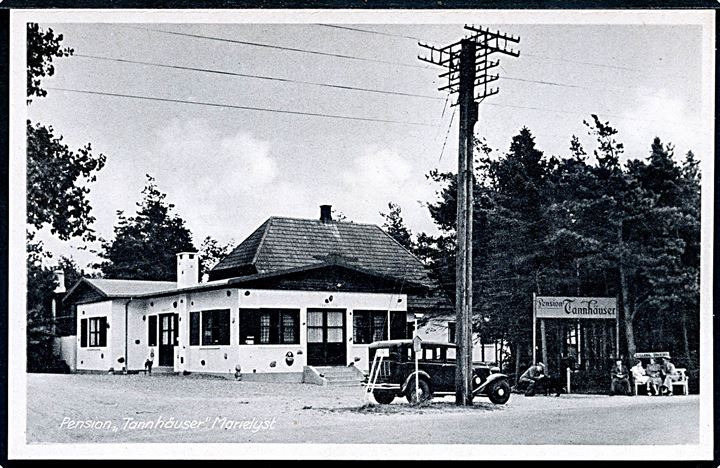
(168, 339)
(326, 338)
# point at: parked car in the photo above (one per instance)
(436, 373)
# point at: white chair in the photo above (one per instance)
(683, 381)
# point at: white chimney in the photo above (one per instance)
(188, 269)
(60, 278)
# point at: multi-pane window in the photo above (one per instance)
(314, 327)
(369, 326)
(93, 332)
(215, 327)
(270, 326)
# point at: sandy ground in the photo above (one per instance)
(166, 408)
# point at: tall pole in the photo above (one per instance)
(463, 249)
(468, 64)
(534, 331)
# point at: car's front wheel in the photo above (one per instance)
(499, 392)
(384, 398)
(424, 392)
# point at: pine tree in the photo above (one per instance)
(395, 226)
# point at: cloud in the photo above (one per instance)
(216, 180)
(377, 176)
(663, 114)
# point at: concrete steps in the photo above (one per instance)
(341, 376)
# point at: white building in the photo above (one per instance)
(296, 295)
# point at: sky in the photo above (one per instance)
(228, 169)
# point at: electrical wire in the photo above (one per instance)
(260, 77)
(285, 48)
(231, 106)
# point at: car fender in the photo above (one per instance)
(410, 380)
(491, 378)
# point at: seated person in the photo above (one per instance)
(531, 378)
(671, 375)
(639, 376)
(653, 371)
(620, 380)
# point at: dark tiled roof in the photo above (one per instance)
(286, 243)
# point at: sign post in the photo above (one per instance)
(534, 360)
(417, 349)
(617, 336)
(574, 308)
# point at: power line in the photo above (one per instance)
(534, 56)
(370, 31)
(260, 77)
(231, 106)
(442, 151)
(288, 49)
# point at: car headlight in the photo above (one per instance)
(478, 380)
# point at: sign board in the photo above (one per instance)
(382, 352)
(576, 307)
(652, 355)
(417, 344)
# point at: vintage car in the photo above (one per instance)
(393, 373)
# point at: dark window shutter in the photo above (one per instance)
(103, 331)
(451, 332)
(83, 333)
(152, 330)
(223, 321)
(398, 325)
(194, 328)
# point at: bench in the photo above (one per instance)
(682, 381)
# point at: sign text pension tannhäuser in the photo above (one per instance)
(576, 307)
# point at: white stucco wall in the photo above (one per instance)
(252, 359)
(96, 358)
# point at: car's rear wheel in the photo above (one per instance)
(499, 392)
(424, 391)
(383, 397)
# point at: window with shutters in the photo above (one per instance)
(97, 332)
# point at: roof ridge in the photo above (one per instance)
(346, 223)
(268, 222)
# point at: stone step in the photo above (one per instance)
(333, 377)
(344, 383)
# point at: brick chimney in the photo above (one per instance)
(326, 213)
(188, 269)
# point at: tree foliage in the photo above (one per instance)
(395, 226)
(578, 225)
(57, 178)
(145, 245)
(42, 48)
(211, 252)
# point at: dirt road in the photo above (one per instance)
(139, 408)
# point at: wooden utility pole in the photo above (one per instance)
(468, 65)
